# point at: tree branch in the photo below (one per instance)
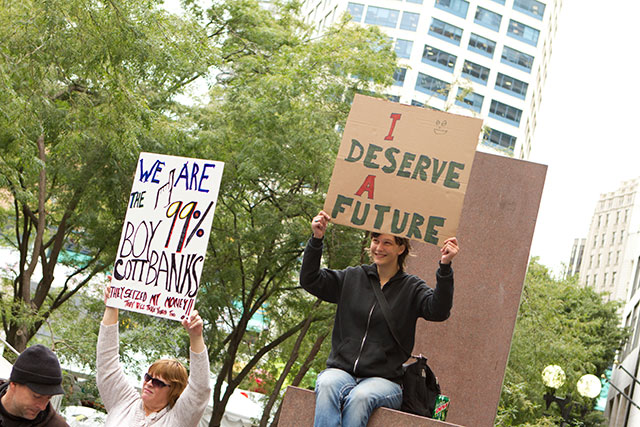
(42, 182)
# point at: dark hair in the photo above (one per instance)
(402, 258)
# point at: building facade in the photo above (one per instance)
(603, 264)
(620, 409)
(483, 58)
(611, 265)
(575, 260)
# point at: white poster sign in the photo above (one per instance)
(165, 234)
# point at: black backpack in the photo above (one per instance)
(420, 388)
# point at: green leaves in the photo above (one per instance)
(558, 323)
(98, 82)
(273, 120)
(95, 82)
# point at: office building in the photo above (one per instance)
(611, 265)
(575, 260)
(623, 206)
(484, 58)
(603, 264)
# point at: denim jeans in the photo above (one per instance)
(348, 401)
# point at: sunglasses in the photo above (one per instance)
(154, 381)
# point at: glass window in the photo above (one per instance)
(416, 103)
(432, 86)
(355, 10)
(438, 58)
(409, 21)
(499, 1)
(501, 139)
(398, 76)
(468, 99)
(530, 7)
(382, 16)
(505, 113)
(393, 98)
(482, 45)
(511, 86)
(457, 7)
(636, 277)
(488, 19)
(517, 59)
(523, 32)
(444, 31)
(475, 72)
(415, 1)
(403, 48)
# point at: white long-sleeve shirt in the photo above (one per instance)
(123, 402)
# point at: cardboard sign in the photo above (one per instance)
(402, 170)
(165, 234)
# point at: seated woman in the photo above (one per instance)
(169, 397)
(364, 369)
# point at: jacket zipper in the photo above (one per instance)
(364, 338)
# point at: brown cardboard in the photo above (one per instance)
(402, 170)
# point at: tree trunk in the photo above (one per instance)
(20, 335)
(218, 411)
(219, 404)
(287, 368)
(303, 371)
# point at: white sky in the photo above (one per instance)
(587, 123)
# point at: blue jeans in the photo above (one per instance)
(348, 401)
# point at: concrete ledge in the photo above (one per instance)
(298, 408)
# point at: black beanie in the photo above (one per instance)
(38, 368)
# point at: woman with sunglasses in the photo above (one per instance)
(169, 397)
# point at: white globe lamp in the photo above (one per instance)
(589, 386)
(553, 376)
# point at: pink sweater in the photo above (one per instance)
(123, 402)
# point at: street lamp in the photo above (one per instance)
(553, 377)
(589, 386)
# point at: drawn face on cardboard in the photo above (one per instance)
(441, 127)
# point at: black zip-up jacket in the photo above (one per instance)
(361, 343)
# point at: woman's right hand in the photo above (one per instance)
(319, 224)
(107, 292)
(110, 316)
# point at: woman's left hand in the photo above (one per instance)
(194, 326)
(449, 250)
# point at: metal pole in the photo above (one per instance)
(9, 346)
(633, 387)
(629, 373)
(625, 396)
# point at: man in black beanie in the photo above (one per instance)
(24, 401)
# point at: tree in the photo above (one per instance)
(84, 86)
(558, 323)
(272, 120)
